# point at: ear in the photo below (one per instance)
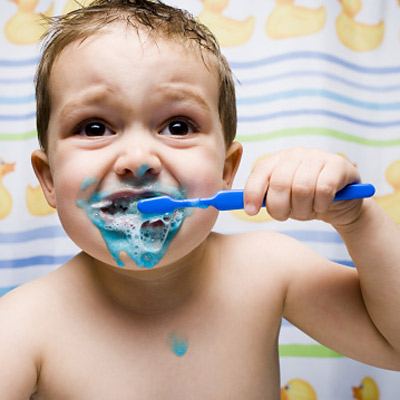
(40, 164)
(232, 160)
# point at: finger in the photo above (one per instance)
(303, 190)
(280, 190)
(257, 185)
(330, 181)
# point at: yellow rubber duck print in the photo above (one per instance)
(298, 389)
(368, 390)
(261, 216)
(73, 5)
(356, 35)
(391, 202)
(25, 26)
(288, 20)
(36, 202)
(229, 32)
(5, 197)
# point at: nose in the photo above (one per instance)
(138, 158)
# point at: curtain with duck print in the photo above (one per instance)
(311, 73)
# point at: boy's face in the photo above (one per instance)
(132, 118)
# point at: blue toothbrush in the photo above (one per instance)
(233, 200)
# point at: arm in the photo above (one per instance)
(19, 364)
(353, 312)
(373, 241)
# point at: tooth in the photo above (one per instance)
(102, 204)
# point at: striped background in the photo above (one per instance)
(309, 90)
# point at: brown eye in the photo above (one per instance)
(178, 128)
(94, 129)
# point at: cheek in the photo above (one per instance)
(202, 176)
(72, 171)
(67, 184)
(70, 174)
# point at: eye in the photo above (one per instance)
(93, 129)
(178, 127)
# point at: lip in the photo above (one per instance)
(124, 200)
(135, 195)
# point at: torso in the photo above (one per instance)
(98, 351)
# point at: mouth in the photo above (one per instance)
(118, 212)
(122, 203)
(145, 238)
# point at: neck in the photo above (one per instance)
(158, 290)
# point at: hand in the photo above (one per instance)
(301, 184)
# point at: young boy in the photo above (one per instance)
(135, 100)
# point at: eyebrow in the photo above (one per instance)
(170, 94)
(95, 97)
(184, 94)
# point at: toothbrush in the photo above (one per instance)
(233, 200)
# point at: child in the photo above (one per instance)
(135, 100)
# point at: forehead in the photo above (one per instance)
(121, 49)
(140, 40)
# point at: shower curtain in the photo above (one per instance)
(311, 73)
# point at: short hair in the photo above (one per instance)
(158, 19)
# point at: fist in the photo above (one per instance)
(301, 184)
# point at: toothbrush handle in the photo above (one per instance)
(355, 191)
(233, 199)
(226, 200)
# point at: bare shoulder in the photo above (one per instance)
(264, 249)
(35, 298)
(266, 257)
(21, 308)
(38, 304)
(22, 318)
(268, 264)
(29, 316)
(261, 263)
(30, 306)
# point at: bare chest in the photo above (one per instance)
(219, 360)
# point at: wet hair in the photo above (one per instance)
(155, 18)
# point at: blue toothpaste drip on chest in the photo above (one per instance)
(178, 346)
